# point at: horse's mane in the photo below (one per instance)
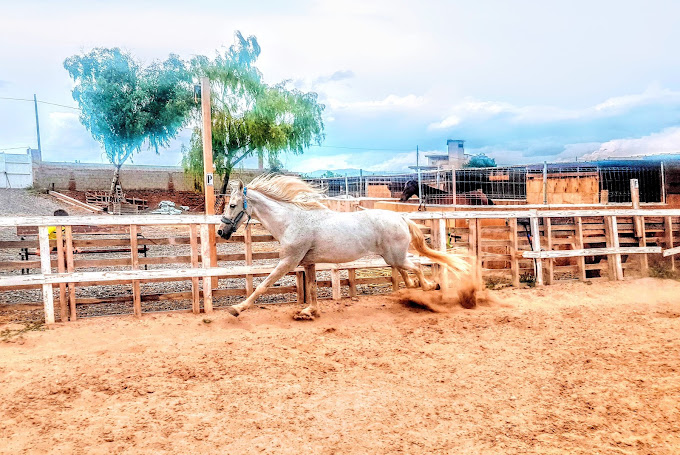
(287, 188)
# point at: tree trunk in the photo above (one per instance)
(222, 201)
(114, 181)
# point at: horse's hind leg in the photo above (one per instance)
(407, 279)
(407, 265)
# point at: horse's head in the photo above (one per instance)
(235, 211)
(410, 189)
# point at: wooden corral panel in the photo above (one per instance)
(571, 188)
(382, 191)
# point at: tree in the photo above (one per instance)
(249, 117)
(329, 175)
(125, 105)
(481, 160)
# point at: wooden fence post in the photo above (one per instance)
(514, 248)
(536, 246)
(300, 286)
(618, 267)
(635, 199)
(70, 268)
(549, 264)
(248, 241)
(335, 284)
(46, 269)
(205, 261)
(668, 227)
(441, 246)
(195, 288)
(136, 292)
(352, 278)
(310, 284)
(61, 268)
(578, 233)
(642, 241)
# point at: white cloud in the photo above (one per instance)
(471, 109)
(316, 163)
(663, 142)
(391, 101)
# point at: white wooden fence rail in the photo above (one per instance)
(47, 279)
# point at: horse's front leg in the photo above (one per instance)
(287, 264)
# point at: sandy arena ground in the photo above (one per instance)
(571, 368)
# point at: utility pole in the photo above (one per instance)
(420, 178)
(37, 123)
(208, 176)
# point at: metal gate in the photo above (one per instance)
(16, 171)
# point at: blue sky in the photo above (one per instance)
(521, 81)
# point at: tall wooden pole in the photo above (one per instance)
(208, 177)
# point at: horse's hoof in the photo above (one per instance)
(305, 315)
(233, 311)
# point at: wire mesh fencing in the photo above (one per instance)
(554, 183)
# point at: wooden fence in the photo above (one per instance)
(543, 245)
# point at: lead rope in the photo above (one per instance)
(245, 204)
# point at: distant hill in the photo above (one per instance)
(342, 172)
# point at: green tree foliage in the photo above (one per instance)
(125, 105)
(250, 117)
(481, 161)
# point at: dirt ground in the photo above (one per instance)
(569, 368)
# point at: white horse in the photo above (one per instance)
(310, 233)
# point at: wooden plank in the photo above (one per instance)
(549, 263)
(300, 286)
(335, 280)
(591, 252)
(536, 247)
(136, 292)
(205, 261)
(671, 251)
(76, 203)
(61, 268)
(668, 228)
(514, 248)
(46, 269)
(179, 220)
(195, 289)
(352, 282)
(249, 257)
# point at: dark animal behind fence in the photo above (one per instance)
(437, 196)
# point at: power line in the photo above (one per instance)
(362, 148)
(41, 102)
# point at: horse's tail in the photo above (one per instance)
(454, 262)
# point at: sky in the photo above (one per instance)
(521, 81)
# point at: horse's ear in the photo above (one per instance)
(240, 185)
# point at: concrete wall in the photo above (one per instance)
(87, 176)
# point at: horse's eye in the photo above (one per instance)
(233, 206)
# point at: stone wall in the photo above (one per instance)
(88, 176)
